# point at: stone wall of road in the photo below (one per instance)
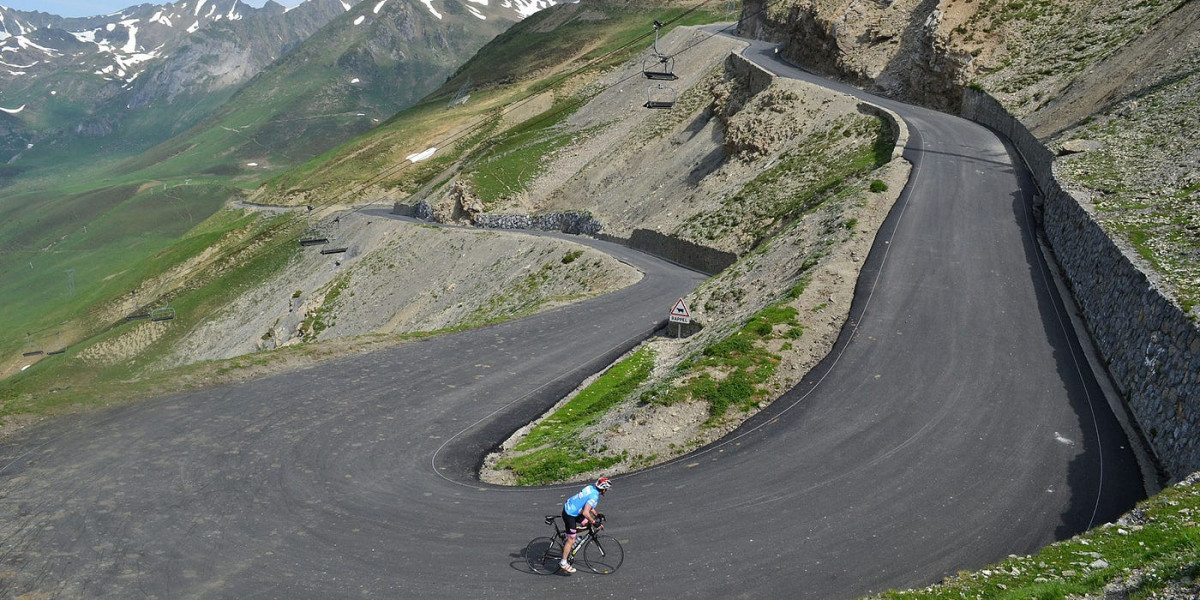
(1148, 344)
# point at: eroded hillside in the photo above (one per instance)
(1111, 85)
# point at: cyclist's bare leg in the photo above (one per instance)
(567, 546)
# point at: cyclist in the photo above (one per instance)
(578, 511)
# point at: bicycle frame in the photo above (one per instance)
(544, 553)
(560, 537)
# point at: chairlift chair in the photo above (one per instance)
(57, 342)
(312, 236)
(138, 312)
(163, 313)
(659, 68)
(28, 343)
(660, 96)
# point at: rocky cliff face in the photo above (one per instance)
(901, 48)
(1114, 79)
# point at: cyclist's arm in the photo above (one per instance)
(589, 511)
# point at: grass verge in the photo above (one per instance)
(558, 448)
(1152, 552)
(731, 372)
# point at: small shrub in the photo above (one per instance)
(878, 186)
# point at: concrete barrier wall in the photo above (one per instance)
(1149, 345)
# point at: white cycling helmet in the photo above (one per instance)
(603, 483)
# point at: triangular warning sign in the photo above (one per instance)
(681, 309)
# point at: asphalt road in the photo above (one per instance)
(955, 423)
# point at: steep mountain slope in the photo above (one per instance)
(790, 178)
(361, 69)
(123, 82)
(1118, 79)
(716, 171)
(116, 222)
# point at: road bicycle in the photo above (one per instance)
(601, 553)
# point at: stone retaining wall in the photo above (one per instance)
(757, 78)
(570, 222)
(1150, 346)
(679, 251)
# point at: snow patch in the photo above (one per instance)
(415, 158)
(13, 111)
(26, 44)
(429, 4)
(32, 64)
(355, 80)
(380, 5)
(476, 12)
(346, 6)
(360, 19)
(131, 46)
(199, 5)
(194, 27)
(527, 7)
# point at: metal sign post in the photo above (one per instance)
(680, 315)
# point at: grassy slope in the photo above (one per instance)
(1054, 46)
(523, 62)
(89, 223)
(1153, 552)
(137, 232)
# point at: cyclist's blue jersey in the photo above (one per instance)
(589, 496)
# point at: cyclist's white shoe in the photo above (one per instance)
(566, 566)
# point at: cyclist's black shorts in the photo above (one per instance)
(572, 523)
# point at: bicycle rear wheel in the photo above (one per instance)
(604, 554)
(543, 554)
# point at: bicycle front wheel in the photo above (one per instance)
(604, 554)
(543, 554)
